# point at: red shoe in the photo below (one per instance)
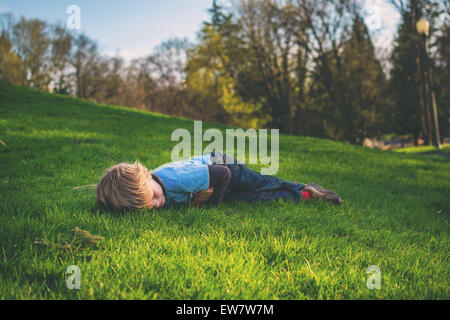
(318, 192)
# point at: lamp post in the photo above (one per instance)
(423, 27)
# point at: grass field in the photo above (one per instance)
(425, 150)
(395, 215)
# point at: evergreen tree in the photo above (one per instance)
(441, 75)
(362, 84)
(408, 112)
(411, 112)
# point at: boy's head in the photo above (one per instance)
(125, 187)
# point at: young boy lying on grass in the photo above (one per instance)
(203, 180)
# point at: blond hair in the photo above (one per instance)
(125, 187)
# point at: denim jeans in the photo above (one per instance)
(250, 186)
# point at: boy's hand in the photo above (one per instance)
(202, 197)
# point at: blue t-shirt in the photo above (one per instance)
(183, 179)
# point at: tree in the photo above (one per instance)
(168, 61)
(84, 59)
(10, 63)
(113, 81)
(442, 76)
(31, 42)
(212, 69)
(328, 25)
(140, 86)
(411, 112)
(271, 42)
(363, 83)
(61, 45)
(167, 67)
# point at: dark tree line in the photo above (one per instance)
(408, 86)
(304, 66)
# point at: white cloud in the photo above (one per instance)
(382, 20)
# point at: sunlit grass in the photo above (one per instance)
(423, 149)
(394, 215)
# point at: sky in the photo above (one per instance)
(132, 28)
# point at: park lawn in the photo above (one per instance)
(424, 150)
(395, 215)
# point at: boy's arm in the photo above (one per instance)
(202, 197)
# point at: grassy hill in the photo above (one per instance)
(395, 215)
